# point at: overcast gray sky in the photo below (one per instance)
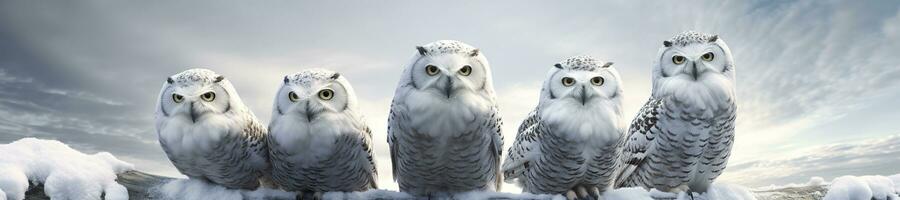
(817, 80)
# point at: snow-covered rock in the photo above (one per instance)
(862, 188)
(64, 172)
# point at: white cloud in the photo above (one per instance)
(9, 78)
(873, 156)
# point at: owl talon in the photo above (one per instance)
(594, 192)
(570, 195)
(582, 193)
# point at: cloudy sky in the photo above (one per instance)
(817, 80)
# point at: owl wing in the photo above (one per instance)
(528, 122)
(492, 126)
(256, 135)
(241, 159)
(639, 141)
(397, 114)
(367, 145)
(720, 143)
(524, 149)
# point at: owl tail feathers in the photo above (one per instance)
(622, 175)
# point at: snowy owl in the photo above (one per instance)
(444, 124)
(208, 133)
(568, 143)
(319, 141)
(681, 138)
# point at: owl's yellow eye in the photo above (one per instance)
(678, 59)
(597, 81)
(209, 96)
(293, 97)
(568, 81)
(708, 56)
(466, 70)
(431, 70)
(326, 94)
(177, 98)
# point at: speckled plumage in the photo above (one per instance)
(583, 63)
(316, 144)
(444, 128)
(682, 137)
(568, 142)
(691, 37)
(219, 141)
(446, 47)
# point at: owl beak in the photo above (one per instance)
(448, 86)
(194, 114)
(309, 113)
(585, 95)
(694, 70)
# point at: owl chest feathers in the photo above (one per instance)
(595, 125)
(188, 139)
(436, 115)
(312, 140)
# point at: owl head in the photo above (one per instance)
(696, 69)
(196, 95)
(313, 93)
(581, 88)
(449, 69)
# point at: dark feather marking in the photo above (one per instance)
(474, 52)
(422, 50)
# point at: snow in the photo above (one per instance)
(635, 193)
(194, 189)
(191, 189)
(896, 180)
(863, 188)
(64, 172)
(716, 191)
(370, 194)
(68, 174)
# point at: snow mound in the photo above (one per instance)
(65, 172)
(896, 180)
(195, 189)
(863, 188)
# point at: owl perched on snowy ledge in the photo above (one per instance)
(567, 145)
(681, 139)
